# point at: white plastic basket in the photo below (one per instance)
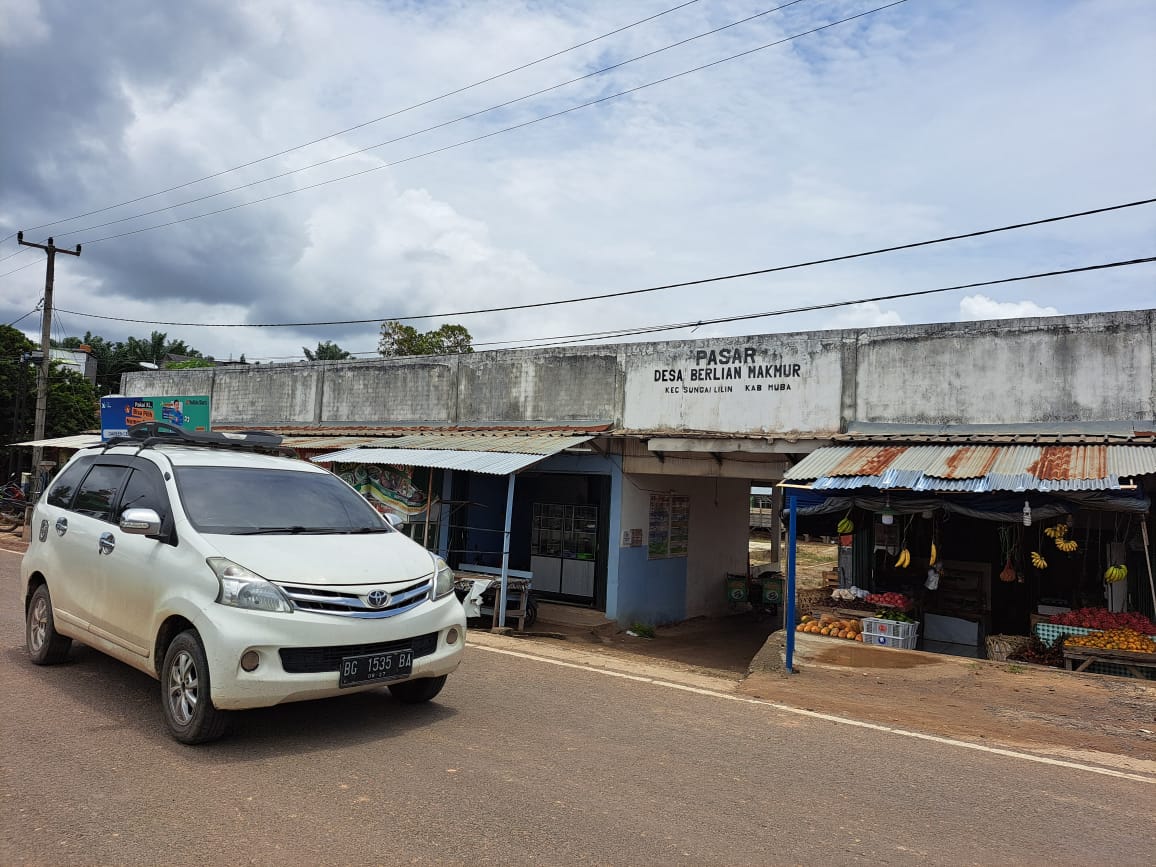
(889, 633)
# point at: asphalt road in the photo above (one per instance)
(518, 761)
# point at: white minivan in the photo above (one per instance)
(237, 577)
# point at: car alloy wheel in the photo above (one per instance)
(38, 624)
(183, 687)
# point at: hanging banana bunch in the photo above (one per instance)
(1115, 572)
(1058, 533)
(1038, 561)
(904, 559)
(846, 525)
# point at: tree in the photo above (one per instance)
(73, 406)
(114, 359)
(326, 351)
(399, 339)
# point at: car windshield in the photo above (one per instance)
(253, 501)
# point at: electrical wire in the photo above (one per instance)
(375, 120)
(651, 329)
(14, 270)
(416, 133)
(560, 340)
(488, 135)
(26, 315)
(624, 293)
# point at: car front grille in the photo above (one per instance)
(310, 660)
(354, 601)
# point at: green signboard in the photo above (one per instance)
(118, 414)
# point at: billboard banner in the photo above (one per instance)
(118, 414)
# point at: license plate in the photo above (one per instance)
(357, 670)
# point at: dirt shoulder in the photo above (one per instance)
(1087, 718)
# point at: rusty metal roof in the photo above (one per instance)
(974, 468)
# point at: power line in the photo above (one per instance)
(625, 332)
(364, 124)
(543, 342)
(416, 133)
(14, 270)
(489, 135)
(29, 313)
(624, 293)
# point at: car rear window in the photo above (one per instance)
(241, 500)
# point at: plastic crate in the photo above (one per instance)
(889, 633)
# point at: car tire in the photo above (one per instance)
(418, 691)
(186, 698)
(46, 646)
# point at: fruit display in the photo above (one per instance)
(894, 616)
(889, 600)
(1102, 618)
(846, 525)
(1038, 653)
(848, 629)
(1058, 533)
(1114, 639)
(1115, 572)
(849, 594)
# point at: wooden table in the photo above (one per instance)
(1134, 662)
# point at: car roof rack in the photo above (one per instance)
(154, 433)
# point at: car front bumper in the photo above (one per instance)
(232, 632)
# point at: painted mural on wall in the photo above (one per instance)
(390, 489)
(744, 384)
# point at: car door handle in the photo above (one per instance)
(107, 543)
(61, 526)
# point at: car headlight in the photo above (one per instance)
(443, 580)
(242, 588)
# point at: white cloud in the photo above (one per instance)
(981, 307)
(869, 315)
(921, 121)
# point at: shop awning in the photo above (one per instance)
(495, 454)
(80, 441)
(974, 468)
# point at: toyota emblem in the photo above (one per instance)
(377, 598)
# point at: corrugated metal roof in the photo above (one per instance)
(974, 469)
(476, 453)
(1077, 433)
(80, 441)
(512, 443)
(327, 444)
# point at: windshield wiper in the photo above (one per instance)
(291, 531)
(360, 530)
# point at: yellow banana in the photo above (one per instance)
(934, 555)
(1038, 561)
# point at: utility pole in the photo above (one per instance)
(46, 347)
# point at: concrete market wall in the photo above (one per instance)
(1092, 367)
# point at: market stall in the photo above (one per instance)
(982, 549)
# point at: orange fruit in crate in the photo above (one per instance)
(801, 627)
(824, 631)
(858, 636)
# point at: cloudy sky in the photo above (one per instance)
(927, 119)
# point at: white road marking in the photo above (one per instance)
(785, 708)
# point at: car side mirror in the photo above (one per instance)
(141, 522)
(395, 520)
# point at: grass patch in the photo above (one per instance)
(1015, 669)
(642, 630)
